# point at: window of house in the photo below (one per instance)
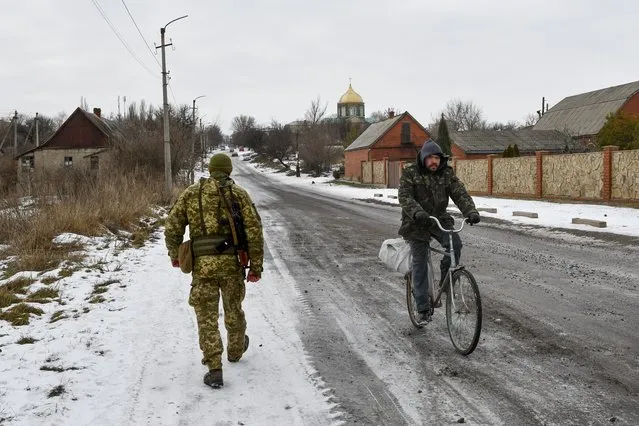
(405, 132)
(95, 162)
(28, 162)
(68, 161)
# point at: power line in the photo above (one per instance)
(172, 95)
(124, 43)
(140, 32)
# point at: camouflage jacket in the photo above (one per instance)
(186, 211)
(422, 189)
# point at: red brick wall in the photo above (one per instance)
(395, 154)
(390, 145)
(353, 164)
(632, 105)
(78, 132)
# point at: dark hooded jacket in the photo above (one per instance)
(423, 189)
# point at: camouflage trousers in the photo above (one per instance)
(205, 299)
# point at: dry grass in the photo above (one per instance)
(9, 292)
(26, 340)
(44, 295)
(49, 280)
(97, 299)
(19, 314)
(80, 204)
(19, 285)
(7, 298)
(57, 316)
(56, 391)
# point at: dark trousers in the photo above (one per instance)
(419, 251)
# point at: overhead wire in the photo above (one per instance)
(124, 43)
(147, 46)
(141, 35)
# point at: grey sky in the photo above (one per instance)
(269, 59)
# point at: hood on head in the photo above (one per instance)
(430, 147)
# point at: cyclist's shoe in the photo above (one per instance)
(423, 316)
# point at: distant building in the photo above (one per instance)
(80, 143)
(582, 116)
(396, 139)
(351, 105)
(481, 143)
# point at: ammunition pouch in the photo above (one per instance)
(211, 245)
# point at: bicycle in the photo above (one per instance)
(463, 302)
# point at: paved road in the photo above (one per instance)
(561, 318)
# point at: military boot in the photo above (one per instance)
(246, 345)
(214, 378)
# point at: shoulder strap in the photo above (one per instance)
(227, 211)
(199, 200)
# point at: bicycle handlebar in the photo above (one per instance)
(453, 231)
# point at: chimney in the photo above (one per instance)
(98, 112)
(391, 114)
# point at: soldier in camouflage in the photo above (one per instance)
(217, 271)
(424, 190)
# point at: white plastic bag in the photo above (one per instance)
(395, 253)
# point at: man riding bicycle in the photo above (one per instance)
(424, 190)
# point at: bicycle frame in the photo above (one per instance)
(453, 263)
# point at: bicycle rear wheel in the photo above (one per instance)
(410, 301)
(463, 312)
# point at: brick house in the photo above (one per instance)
(582, 116)
(82, 142)
(395, 141)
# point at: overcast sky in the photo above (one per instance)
(269, 59)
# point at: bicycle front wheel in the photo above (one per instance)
(463, 312)
(410, 301)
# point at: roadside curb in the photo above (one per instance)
(590, 222)
(531, 215)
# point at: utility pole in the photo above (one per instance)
(15, 134)
(297, 153)
(192, 159)
(37, 131)
(202, 150)
(167, 139)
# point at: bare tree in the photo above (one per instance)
(531, 119)
(379, 116)
(278, 142)
(320, 147)
(242, 123)
(463, 115)
(510, 125)
(316, 112)
(243, 128)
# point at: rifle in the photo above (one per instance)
(238, 232)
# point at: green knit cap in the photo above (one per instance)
(221, 163)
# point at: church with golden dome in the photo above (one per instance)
(351, 105)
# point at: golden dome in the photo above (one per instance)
(351, 97)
